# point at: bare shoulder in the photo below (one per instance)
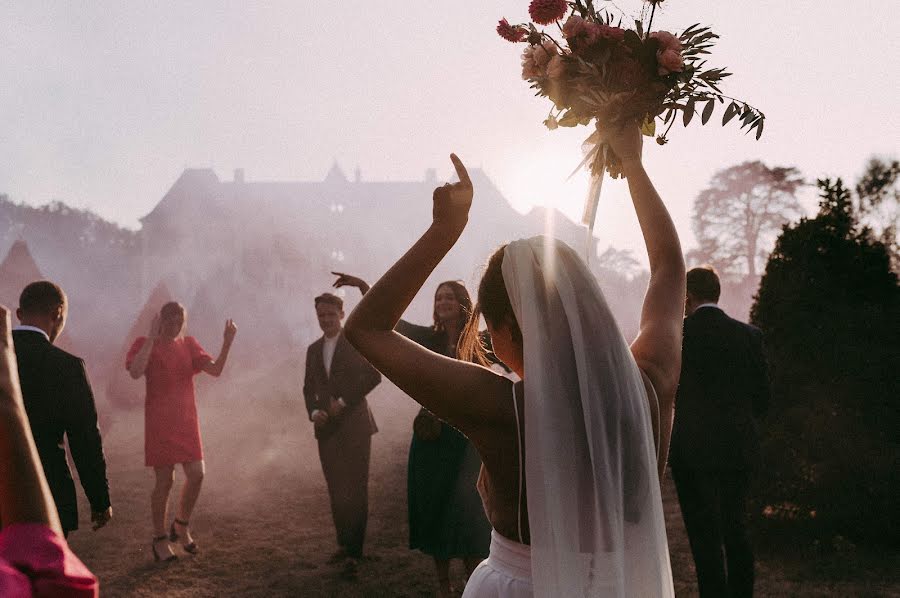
(657, 352)
(495, 413)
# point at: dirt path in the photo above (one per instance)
(265, 529)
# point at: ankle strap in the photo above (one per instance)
(180, 522)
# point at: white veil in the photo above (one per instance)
(594, 505)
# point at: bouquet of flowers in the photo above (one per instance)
(604, 74)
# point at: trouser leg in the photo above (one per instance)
(738, 551)
(346, 468)
(698, 496)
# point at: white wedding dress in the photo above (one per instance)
(594, 505)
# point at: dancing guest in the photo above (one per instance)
(169, 360)
(34, 558)
(569, 477)
(446, 519)
(335, 386)
(60, 404)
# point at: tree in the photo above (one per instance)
(739, 214)
(878, 203)
(621, 261)
(828, 305)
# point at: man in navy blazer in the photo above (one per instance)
(724, 389)
(335, 386)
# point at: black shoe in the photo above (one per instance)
(191, 548)
(338, 557)
(156, 557)
(351, 569)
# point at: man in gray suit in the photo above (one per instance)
(337, 381)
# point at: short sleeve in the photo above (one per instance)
(34, 561)
(199, 357)
(135, 347)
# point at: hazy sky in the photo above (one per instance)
(104, 103)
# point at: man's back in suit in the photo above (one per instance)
(723, 389)
(724, 386)
(59, 402)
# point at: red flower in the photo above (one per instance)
(544, 12)
(511, 33)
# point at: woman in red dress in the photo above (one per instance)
(169, 360)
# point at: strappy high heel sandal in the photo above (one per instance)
(156, 557)
(191, 548)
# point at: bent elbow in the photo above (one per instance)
(352, 332)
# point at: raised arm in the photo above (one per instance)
(24, 494)
(451, 389)
(409, 330)
(657, 348)
(216, 366)
(138, 364)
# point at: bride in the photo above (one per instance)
(572, 454)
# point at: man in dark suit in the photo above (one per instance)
(724, 388)
(59, 402)
(337, 381)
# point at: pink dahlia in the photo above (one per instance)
(613, 33)
(668, 56)
(556, 68)
(536, 58)
(511, 33)
(544, 12)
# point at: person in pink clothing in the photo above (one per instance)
(34, 558)
(169, 360)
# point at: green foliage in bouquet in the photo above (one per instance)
(602, 73)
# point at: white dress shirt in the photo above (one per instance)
(33, 329)
(328, 347)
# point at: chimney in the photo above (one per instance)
(357, 175)
(238, 175)
(430, 176)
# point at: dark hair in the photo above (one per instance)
(703, 283)
(493, 304)
(330, 299)
(461, 294)
(170, 309)
(41, 297)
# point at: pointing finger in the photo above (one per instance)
(461, 171)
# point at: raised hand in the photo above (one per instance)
(101, 518)
(320, 418)
(230, 330)
(155, 327)
(626, 141)
(348, 280)
(452, 201)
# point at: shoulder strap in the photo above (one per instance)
(521, 464)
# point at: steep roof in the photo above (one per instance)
(194, 186)
(17, 270)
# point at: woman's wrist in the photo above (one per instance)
(632, 165)
(448, 232)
